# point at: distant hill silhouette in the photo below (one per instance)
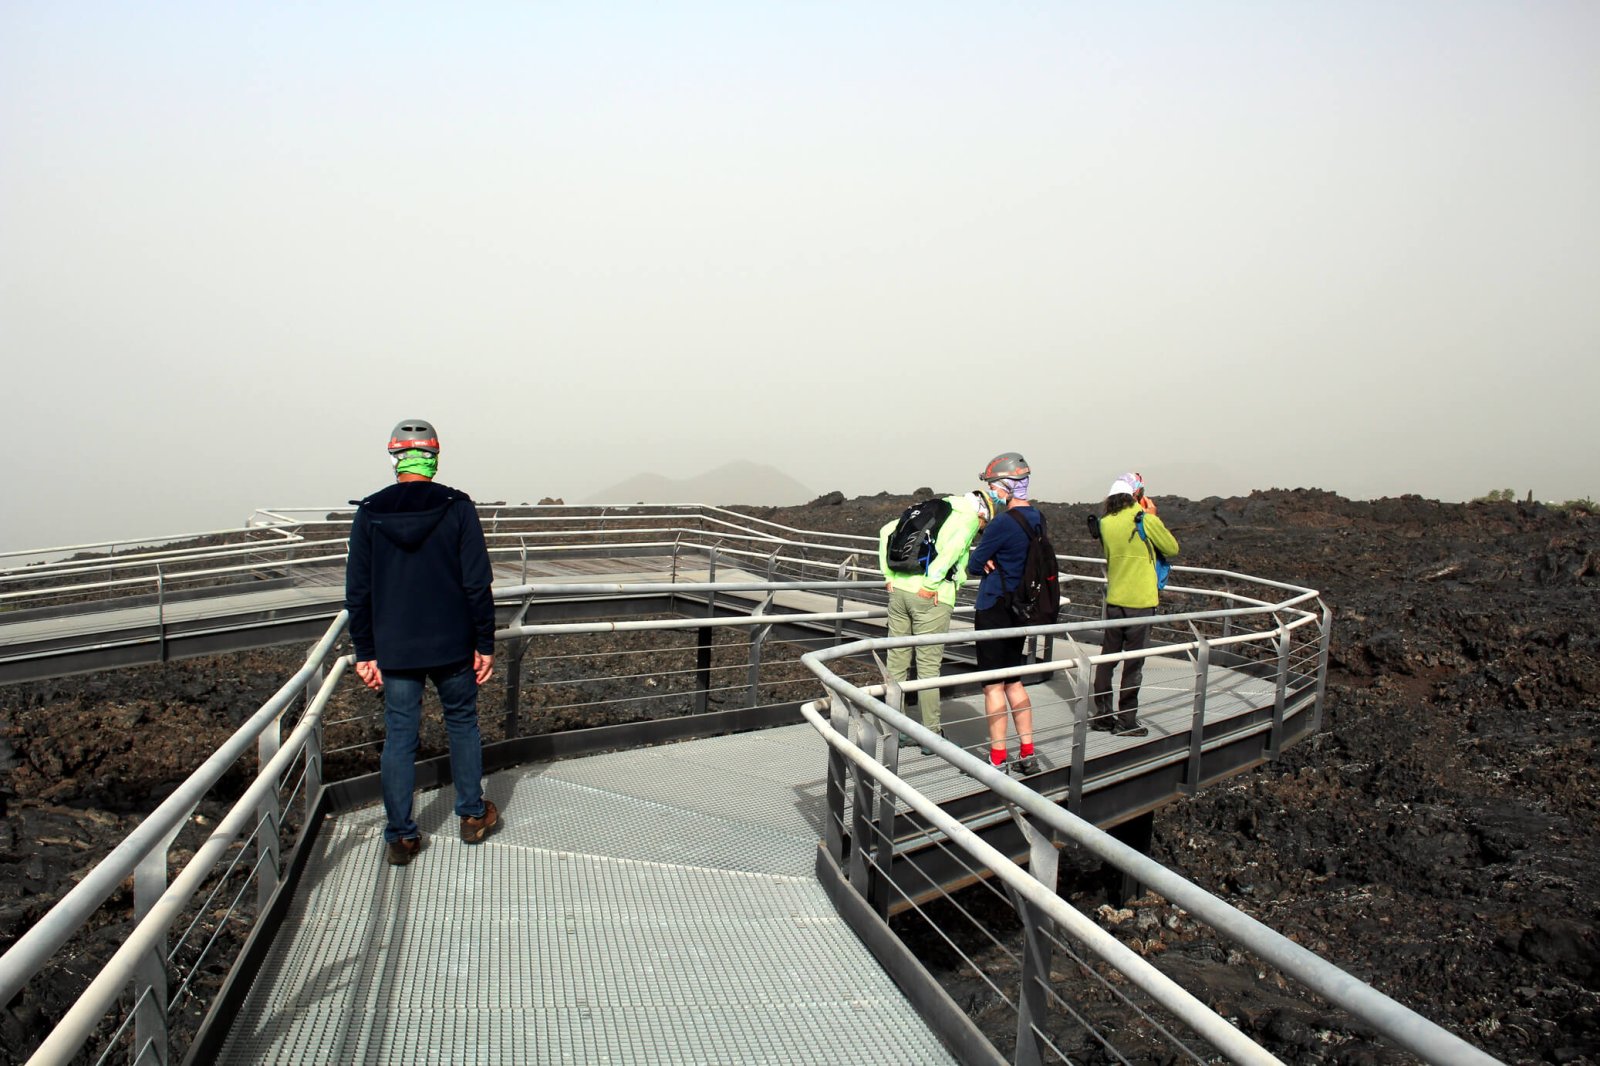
(733, 483)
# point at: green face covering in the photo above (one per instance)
(417, 462)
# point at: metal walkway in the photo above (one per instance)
(647, 906)
(665, 903)
(653, 905)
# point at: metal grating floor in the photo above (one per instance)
(649, 906)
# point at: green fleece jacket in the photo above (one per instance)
(1131, 561)
(948, 570)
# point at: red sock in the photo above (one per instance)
(1027, 750)
(997, 757)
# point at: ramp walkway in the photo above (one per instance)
(647, 906)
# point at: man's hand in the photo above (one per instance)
(369, 672)
(482, 666)
(927, 593)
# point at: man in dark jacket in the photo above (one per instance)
(417, 586)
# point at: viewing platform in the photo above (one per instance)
(722, 873)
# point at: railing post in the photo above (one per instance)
(1032, 1003)
(1197, 725)
(1322, 667)
(756, 640)
(313, 754)
(772, 563)
(522, 540)
(513, 716)
(1275, 742)
(861, 843)
(879, 893)
(838, 602)
(149, 988)
(161, 615)
(838, 767)
(711, 579)
(1083, 707)
(269, 814)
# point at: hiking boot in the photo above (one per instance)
(927, 750)
(473, 830)
(1132, 729)
(1025, 766)
(402, 852)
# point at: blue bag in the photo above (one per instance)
(1163, 568)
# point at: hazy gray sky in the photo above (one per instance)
(1347, 245)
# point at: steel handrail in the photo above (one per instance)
(130, 562)
(1163, 989)
(1396, 1021)
(78, 1023)
(35, 947)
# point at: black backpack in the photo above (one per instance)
(911, 542)
(1036, 601)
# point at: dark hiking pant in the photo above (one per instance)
(1119, 639)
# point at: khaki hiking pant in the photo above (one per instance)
(910, 614)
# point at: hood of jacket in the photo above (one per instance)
(407, 512)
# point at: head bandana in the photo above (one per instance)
(978, 503)
(416, 461)
(1017, 486)
(1126, 485)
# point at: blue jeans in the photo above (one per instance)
(402, 718)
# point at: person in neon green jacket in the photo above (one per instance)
(1131, 592)
(923, 603)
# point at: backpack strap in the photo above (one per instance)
(1031, 530)
(1138, 527)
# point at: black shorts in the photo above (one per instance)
(997, 654)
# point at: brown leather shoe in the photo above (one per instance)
(473, 830)
(402, 852)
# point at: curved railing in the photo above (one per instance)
(860, 730)
(1277, 629)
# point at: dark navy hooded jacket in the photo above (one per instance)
(417, 580)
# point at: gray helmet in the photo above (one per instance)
(1004, 465)
(414, 434)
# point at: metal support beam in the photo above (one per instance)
(702, 669)
(1137, 833)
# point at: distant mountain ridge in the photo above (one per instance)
(738, 482)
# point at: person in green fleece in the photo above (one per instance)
(923, 603)
(1130, 593)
